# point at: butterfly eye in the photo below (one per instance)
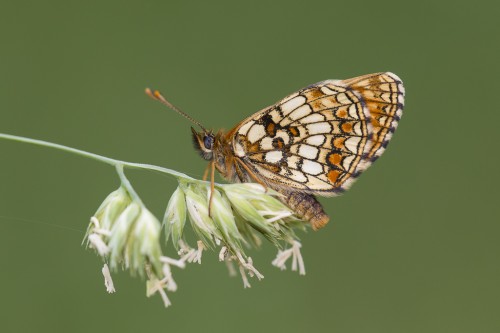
(208, 141)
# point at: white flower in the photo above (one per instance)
(155, 285)
(143, 245)
(191, 255)
(175, 217)
(223, 218)
(126, 234)
(120, 232)
(261, 210)
(297, 261)
(222, 253)
(108, 281)
(112, 207)
(246, 267)
(98, 243)
(95, 238)
(203, 225)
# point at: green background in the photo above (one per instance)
(412, 247)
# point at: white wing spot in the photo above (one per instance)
(316, 140)
(346, 163)
(363, 164)
(353, 111)
(298, 176)
(401, 99)
(311, 167)
(313, 118)
(327, 91)
(357, 128)
(318, 128)
(308, 151)
(379, 151)
(275, 116)
(256, 132)
(238, 149)
(352, 143)
(266, 143)
(348, 183)
(401, 88)
(274, 156)
(284, 135)
(300, 112)
(292, 104)
(343, 99)
(244, 129)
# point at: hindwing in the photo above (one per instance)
(320, 138)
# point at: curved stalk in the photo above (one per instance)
(126, 183)
(111, 161)
(100, 158)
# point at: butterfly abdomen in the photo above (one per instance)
(307, 207)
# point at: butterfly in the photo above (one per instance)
(316, 141)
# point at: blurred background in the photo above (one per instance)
(412, 247)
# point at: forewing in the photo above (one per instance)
(320, 138)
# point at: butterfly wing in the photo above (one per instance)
(319, 139)
(383, 96)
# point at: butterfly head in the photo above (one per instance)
(204, 142)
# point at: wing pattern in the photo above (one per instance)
(320, 138)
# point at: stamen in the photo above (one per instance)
(222, 253)
(230, 268)
(297, 261)
(108, 281)
(98, 244)
(246, 284)
(176, 262)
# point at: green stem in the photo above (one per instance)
(132, 165)
(59, 147)
(126, 183)
(116, 163)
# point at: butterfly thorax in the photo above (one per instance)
(216, 148)
(224, 159)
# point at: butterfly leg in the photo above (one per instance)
(212, 186)
(251, 174)
(205, 173)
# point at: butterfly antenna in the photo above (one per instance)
(156, 95)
